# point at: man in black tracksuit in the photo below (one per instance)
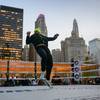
(40, 43)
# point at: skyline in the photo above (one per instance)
(59, 16)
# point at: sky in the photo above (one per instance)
(59, 16)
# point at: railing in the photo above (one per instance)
(25, 70)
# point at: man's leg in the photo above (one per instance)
(48, 70)
(48, 73)
(42, 69)
(43, 56)
(49, 66)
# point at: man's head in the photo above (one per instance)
(37, 30)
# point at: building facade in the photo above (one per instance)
(40, 23)
(25, 53)
(57, 55)
(74, 46)
(11, 29)
(94, 48)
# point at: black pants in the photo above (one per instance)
(46, 60)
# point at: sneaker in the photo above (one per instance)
(42, 77)
(48, 83)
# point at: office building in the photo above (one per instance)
(11, 29)
(94, 49)
(56, 55)
(74, 46)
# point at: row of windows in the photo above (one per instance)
(10, 12)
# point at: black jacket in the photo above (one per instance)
(37, 39)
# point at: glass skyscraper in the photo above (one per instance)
(11, 29)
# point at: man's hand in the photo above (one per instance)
(28, 33)
(56, 35)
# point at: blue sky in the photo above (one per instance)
(59, 15)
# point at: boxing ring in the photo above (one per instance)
(58, 92)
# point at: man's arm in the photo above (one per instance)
(53, 38)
